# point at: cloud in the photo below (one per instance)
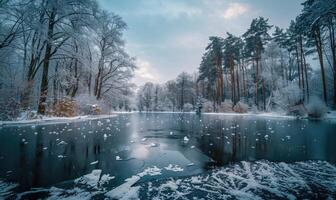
(145, 72)
(235, 10)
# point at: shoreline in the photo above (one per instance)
(57, 120)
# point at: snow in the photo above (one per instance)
(105, 178)
(62, 143)
(151, 171)
(93, 163)
(91, 179)
(61, 156)
(6, 188)
(126, 191)
(265, 114)
(54, 120)
(153, 145)
(174, 168)
(330, 115)
(251, 180)
(72, 194)
(243, 180)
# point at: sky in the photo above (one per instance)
(168, 37)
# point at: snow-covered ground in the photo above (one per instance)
(243, 180)
(330, 115)
(55, 120)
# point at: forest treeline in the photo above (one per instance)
(267, 68)
(52, 50)
(66, 53)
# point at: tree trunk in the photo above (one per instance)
(44, 82)
(219, 85)
(238, 89)
(55, 84)
(333, 51)
(302, 68)
(318, 43)
(233, 90)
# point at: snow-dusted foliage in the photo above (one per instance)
(316, 108)
(188, 107)
(225, 106)
(288, 96)
(54, 49)
(208, 106)
(171, 96)
(240, 107)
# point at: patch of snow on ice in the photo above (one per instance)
(72, 194)
(174, 168)
(94, 162)
(151, 171)
(126, 191)
(105, 178)
(6, 189)
(251, 180)
(123, 190)
(91, 179)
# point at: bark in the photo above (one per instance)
(44, 82)
(302, 67)
(333, 51)
(55, 85)
(318, 44)
(219, 82)
(233, 92)
(238, 89)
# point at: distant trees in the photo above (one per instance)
(268, 67)
(260, 66)
(62, 48)
(174, 95)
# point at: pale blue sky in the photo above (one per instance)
(169, 36)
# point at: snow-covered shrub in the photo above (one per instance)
(187, 107)
(225, 106)
(64, 108)
(165, 105)
(288, 98)
(297, 110)
(89, 105)
(240, 107)
(27, 115)
(9, 109)
(207, 106)
(253, 108)
(316, 108)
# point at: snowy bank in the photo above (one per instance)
(55, 120)
(329, 115)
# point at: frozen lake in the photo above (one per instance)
(169, 155)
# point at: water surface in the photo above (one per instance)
(180, 145)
